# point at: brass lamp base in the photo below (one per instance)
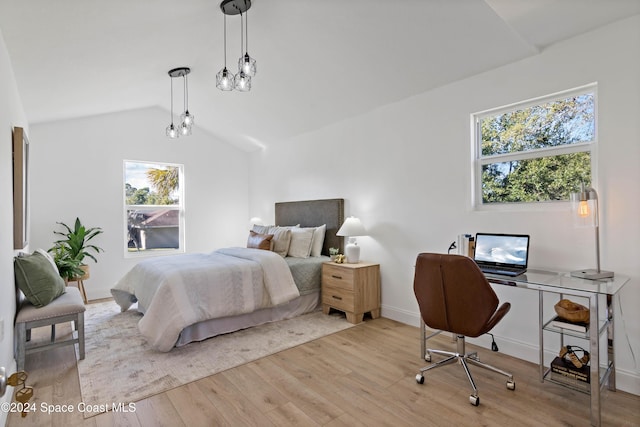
(592, 274)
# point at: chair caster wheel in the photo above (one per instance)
(474, 400)
(420, 379)
(427, 357)
(511, 385)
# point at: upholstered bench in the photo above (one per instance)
(67, 307)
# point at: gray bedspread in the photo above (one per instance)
(307, 272)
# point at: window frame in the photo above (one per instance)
(478, 161)
(179, 207)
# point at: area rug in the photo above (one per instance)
(120, 367)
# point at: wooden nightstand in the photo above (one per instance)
(352, 288)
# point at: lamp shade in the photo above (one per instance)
(584, 206)
(352, 227)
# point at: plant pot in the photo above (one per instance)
(85, 276)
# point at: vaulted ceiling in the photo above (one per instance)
(319, 61)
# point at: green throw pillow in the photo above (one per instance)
(37, 279)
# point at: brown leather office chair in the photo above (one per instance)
(454, 296)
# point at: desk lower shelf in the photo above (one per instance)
(602, 324)
(577, 385)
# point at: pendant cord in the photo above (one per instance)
(241, 35)
(186, 96)
(171, 100)
(246, 29)
(225, 40)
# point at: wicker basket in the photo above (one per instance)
(571, 311)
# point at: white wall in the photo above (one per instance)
(77, 171)
(405, 170)
(11, 115)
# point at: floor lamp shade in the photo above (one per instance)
(351, 228)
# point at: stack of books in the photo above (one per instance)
(567, 370)
(559, 322)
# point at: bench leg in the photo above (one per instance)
(21, 337)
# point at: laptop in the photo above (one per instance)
(505, 254)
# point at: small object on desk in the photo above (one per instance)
(559, 322)
(571, 311)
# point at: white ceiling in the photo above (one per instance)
(319, 61)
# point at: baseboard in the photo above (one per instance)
(402, 316)
(626, 381)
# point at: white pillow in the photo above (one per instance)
(261, 229)
(301, 239)
(318, 239)
(281, 240)
(48, 256)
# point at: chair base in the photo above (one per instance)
(464, 358)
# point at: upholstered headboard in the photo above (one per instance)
(313, 213)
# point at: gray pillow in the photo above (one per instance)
(37, 279)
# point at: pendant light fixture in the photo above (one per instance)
(172, 132)
(246, 64)
(187, 118)
(224, 79)
(243, 80)
(184, 128)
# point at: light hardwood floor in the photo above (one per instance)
(363, 376)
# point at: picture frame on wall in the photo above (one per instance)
(20, 188)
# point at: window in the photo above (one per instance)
(153, 208)
(537, 151)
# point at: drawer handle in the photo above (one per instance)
(336, 277)
(336, 297)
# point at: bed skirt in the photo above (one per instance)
(210, 328)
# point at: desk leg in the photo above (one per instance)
(594, 349)
(610, 343)
(541, 334)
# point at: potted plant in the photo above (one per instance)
(70, 252)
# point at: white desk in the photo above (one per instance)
(601, 371)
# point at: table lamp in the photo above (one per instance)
(255, 221)
(351, 228)
(584, 206)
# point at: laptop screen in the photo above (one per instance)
(502, 249)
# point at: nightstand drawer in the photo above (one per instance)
(338, 298)
(338, 277)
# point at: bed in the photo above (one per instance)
(192, 297)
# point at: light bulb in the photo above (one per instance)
(224, 79)
(243, 82)
(184, 129)
(172, 132)
(187, 118)
(247, 65)
(583, 209)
